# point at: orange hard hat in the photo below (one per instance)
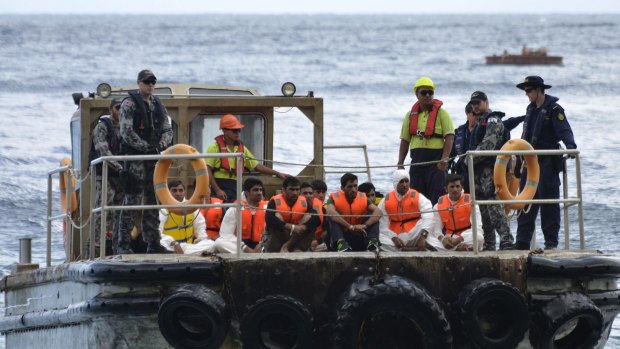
(230, 121)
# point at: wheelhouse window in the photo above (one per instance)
(205, 127)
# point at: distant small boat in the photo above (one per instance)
(526, 57)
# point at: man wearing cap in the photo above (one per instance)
(145, 129)
(544, 127)
(489, 134)
(428, 133)
(462, 139)
(105, 142)
(222, 172)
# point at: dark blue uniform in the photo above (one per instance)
(544, 128)
(462, 136)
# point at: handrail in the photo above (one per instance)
(566, 200)
(50, 218)
(352, 146)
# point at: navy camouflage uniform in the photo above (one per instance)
(490, 134)
(145, 129)
(544, 128)
(105, 142)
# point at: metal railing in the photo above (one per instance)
(352, 146)
(65, 215)
(566, 200)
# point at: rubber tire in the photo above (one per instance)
(397, 295)
(473, 304)
(280, 306)
(561, 310)
(203, 302)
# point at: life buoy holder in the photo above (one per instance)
(194, 316)
(533, 173)
(160, 179)
(64, 183)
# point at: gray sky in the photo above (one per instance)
(308, 7)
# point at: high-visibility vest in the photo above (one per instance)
(358, 208)
(456, 217)
(291, 214)
(213, 218)
(404, 214)
(180, 227)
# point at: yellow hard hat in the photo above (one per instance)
(423, 81)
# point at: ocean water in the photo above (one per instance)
(363, 66)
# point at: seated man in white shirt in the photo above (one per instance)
(252, 218)
(407, 218)
(183, 233)
(453, 218)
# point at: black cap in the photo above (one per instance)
(145, 74)
(478, 96)
(533, 81)
(115, 101)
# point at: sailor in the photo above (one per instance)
(407, 217)
(489, 134)
(213, 217)
(252, 218)
(318, 243)
(105, 142)
(183, 233)
(544, 127)
(222, 172)
(291, 220)
(353, 218)
(462, 138)
(145, 129)
(453, 228)
(429, 133)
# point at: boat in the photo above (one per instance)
(527, 57)
(544, 299)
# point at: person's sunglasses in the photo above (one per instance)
(528, 90)
(234, 130)
(149, 81)
(427, 92)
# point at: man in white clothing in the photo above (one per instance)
(407, 218)
(453, 219)
(252, 218)
(183, 234)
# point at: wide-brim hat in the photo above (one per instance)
(533, 81)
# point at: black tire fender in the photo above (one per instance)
(194, 316)
(282, 320)
(410, 315)
(492, 313)
(570, 320)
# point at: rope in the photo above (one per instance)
(355, 167)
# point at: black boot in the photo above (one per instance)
(123, 250)
(156, 248)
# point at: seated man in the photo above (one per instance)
(252, 221)
(291, 220)
(453, 219)
(353, 218)
(183, 233)
(407, 217)
(318, 244)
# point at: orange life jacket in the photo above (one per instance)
(213, 218)
(253, 225)
(225, 164)
(358, 207)
(430, 123)
(407, 210)
(291, 214)
(317, 205)
(455, 218)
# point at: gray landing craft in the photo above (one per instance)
(543, 299)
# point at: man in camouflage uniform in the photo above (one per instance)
(105, 142)
(145, 129)
(489, 134)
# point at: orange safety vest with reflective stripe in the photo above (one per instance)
(224, 161)
(317, 205)
(289, 214)
(430, 123)
(407, 211)
(253, 225)
(359, 206)
(213, 218)
(455, 218)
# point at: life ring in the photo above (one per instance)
(492, 314)
(499, 174)
(513, 180)
(277, 320)
(371, 310)
(194, 316)
(64, 183)
(160, 179)
(570, 320)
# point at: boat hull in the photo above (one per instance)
(524, 60)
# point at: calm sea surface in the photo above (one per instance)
(363, 67)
